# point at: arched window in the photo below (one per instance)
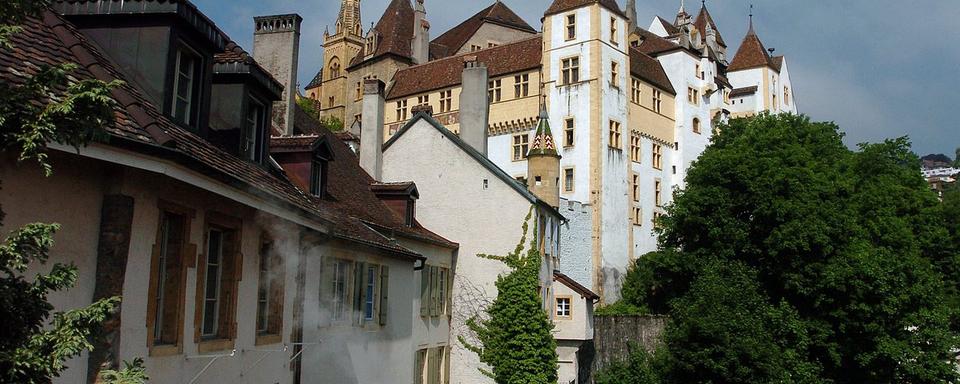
(334, 67)
(696, 125)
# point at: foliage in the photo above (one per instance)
(332, 123)
(790, 258)
(309, 106)
(956, 158)
(68, 112)
(516, 339)
(639, 368)
(132, 373)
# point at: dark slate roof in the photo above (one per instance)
(566, 5)
(701, 22)
(317, 80)
(505, 59)
(451, 41)
(751, 54)
(235, 60)
(394, 33)
(350, 198)
(479, 157)
(744, 91)
(575, 286)
(650, 70)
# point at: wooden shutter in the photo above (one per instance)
(418, 367)
(446, 365)
(153, 292)
(434, 369)
(425, 291)
(384, 293)
(449, 309)
(359, 290)
(434, 282)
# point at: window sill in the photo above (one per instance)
(165, 350)
(519, 160)
(267, 339)
(563, 317)
(215, 345)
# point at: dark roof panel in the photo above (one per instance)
(394, 32)
(650, 70)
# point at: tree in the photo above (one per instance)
(639, 368)
(132, 373)
(829, 257)
(516, 338)
(69, 112)
(956, 158)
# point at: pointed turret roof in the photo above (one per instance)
(498, 13)
(394, 32)
(704, 19)
(566, 5)
(543, 144)
(751, 54)
(349, 14)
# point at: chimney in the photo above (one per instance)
(421, 34)
(371, 128)
(276, 47)
(474, 106)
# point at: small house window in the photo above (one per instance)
(568, 138)
(521, 145)
(568, 181)
(634, 147)
(521, 86)
(252, 136)
(696, 125)
(615, 74)
(636, 91)
(571, 27)
(613, 30)
(446, 101)
(563, 307)
(614, 135)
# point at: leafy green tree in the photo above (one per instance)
(639, 368)
(132, 373)
(309, 106)
(332, 123)
(956, 158)
(833, 252)
(70, 112)
(516, 338)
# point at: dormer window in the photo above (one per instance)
(319, 165)
(188, 72)
(253, 131)
(371, 43)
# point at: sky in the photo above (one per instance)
(878, 68)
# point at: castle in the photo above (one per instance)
(632, 107)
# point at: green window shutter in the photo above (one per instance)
(384, 293)
(418, 367)
(425, 291)
(449, 309)
(434, 369)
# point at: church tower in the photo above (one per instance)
(339, 49)
(543, 163)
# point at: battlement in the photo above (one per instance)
(277, 23)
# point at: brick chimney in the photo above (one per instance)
(474, 106)
(276, 47)
(371, 128)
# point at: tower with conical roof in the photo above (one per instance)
(339, 49)
(543, 163)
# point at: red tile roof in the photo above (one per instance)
(777, 62)
(394, 33)
(505, 59)
(701, 22)
(566, 5)
(668, 26)
(738, 92)
(451, 41)
(650, 70)
(751, 54)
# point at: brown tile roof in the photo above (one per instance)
(751, 54)
(351, 200)
(650, 70)
(701, 23)
(451, 41)
(744, 91)
(394, 32)
(234, 59)
(651, 44)
(566, 5)
(777, 62)
(292, 143)
(575, 286)
(505, 59)
(668, 26)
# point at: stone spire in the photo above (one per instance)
(349, 18)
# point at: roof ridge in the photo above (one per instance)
(474, 53)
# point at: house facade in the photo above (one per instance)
(632, 108)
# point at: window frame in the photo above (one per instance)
(187, 254)
(271, 332)
(254, 127)
(636, 91)
(615, 74)
(570, 70)
(569, 308)
(613, 31)
(635, 150)
(615, 137)
(446, 101)
(569, 180)
(657, 101)
(522, 145)
(569, 132)
(402, 110)
(495, 90)
(657, 193)
(195, 88)
(226, 312)
(521, 85)
(657, 153)
(570, 26)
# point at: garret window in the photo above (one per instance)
(188, 77)
(218, 277)
(571, 26)
(252, 145)
(319, 165)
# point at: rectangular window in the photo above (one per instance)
(698, 72)
(521, 145)
(568, 138)
(420, 367)
(318, 177)
(636, 91)
(615, 74)
(636, 188)
(474, 47)
(446, 101)
(340, 272)
(186, 86)
(570, 70)
(693, 96)
(359, 91)
(613, 30)
(656, 193)
(435, 285)
(521, 87)
(615, 135)
(634, 147)
(637, 216)
(217, 286)
(167, 280)
(401, 110)
(493, 92)
(657, 101)
(563, 306)
(423, 100)
(786, 96)
(254, 130)
(656, 218)
(571, 26)
(269, 292)
(568, 180)
(370, 292)
(657, 156)
(491, 44)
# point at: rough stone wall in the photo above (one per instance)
(615, 337)
(575, 242)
